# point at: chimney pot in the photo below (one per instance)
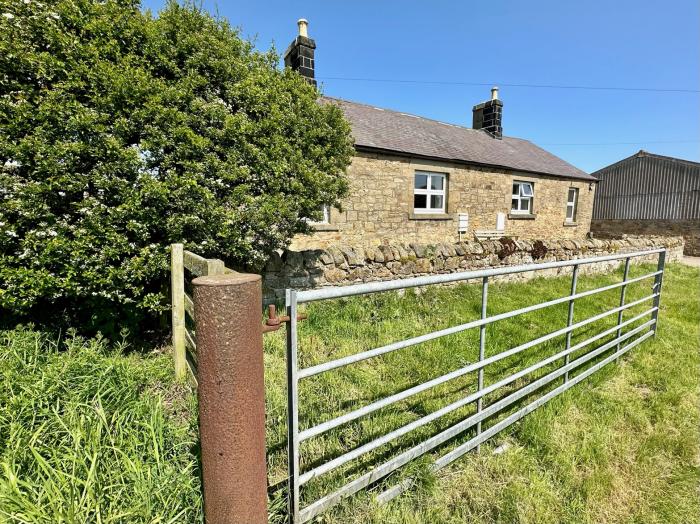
(494, 93)
(303, 24)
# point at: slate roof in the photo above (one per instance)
(385, 130)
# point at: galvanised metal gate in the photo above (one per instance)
(296, 436)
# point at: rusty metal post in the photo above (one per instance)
(231, 397)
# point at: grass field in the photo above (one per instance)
(89, 431)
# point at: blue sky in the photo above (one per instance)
(639, 44)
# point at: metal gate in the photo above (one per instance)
(296, 436)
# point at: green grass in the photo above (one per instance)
(88, 434)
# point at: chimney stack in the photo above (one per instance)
(300, 53)
(489, 115)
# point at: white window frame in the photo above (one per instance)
(326, 216)
(428, 192)
(521, 196)
(573, 205)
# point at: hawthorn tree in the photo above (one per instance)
(122, 132)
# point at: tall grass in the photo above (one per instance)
(90, 435)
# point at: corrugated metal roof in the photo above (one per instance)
(641, 153)
(376, 128)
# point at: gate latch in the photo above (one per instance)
(273, 322)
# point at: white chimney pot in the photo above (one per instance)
(303, 27)
(494, 93)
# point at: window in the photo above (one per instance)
(521, 201)
(571, 204)
(429, 192)
(326, 219)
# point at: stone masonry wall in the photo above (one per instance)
(689, 229)
(379, 205)
(343, 265)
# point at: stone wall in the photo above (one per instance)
(343, 265)
(689, 229)
(379, 206)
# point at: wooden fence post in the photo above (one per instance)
(215, 266)
(177, 285)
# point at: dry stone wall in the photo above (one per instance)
(344, 265)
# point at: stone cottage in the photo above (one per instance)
(417, 180)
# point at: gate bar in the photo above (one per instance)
(570, 318)
(622, 294)
(658, 282)
(292, 406)
(482, 347)
(396, 397)
(312, 295)
(459, 451)
(358, 357)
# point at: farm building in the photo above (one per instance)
(651, 195)
(416, 180)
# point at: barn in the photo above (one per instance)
(648, 194)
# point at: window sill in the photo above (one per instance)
(570, 224)
(521, 216)
(429, 216)
(325, 227)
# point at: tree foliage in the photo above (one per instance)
(122, 132)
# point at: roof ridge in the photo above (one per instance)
(642, 153)
(412, 115)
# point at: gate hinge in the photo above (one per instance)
(273, 322)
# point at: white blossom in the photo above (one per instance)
(11, 165)
(9, 16)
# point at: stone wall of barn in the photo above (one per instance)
(344, 265)
(689, 229)
(379, 205)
